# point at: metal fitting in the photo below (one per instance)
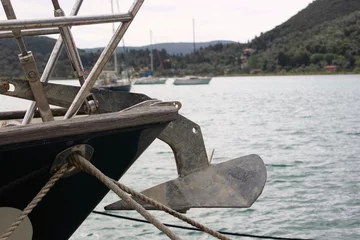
(32, 74)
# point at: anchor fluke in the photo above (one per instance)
(233, 184)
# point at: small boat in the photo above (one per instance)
(150, 80)
(109, 80)
(56, 171)
(192, 80)
(147, 77)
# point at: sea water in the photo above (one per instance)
(305, 128)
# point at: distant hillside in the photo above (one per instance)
(317, 12)
(137, 57)
(172, 48)
(327, 32)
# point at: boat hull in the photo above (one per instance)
(150, 81)
(122, 88)
(198, 81)
(26, 166)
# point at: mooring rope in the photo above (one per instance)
(54, 178)
(170, 211)
(75, 160)
(84, 165)
(87, 167)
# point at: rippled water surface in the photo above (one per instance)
(305, 128)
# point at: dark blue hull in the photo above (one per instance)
(122, 88)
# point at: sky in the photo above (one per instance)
(172, 20)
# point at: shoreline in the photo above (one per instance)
(259, 75)
(287, 74)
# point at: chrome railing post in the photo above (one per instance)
(50, 65)
(70, 46)
(99, 65)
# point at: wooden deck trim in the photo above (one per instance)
(90, 124)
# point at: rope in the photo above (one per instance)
(121, 190)
(84, 165)
(196, 229)
(170, 211)
(35, 201)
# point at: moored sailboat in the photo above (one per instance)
(192, 80)
(150, 79)
(109, 79)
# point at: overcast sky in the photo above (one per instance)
(171, 20)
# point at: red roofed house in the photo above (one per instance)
(330, 68)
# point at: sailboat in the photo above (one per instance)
(109, 79)
(151, 79)
(192, 80)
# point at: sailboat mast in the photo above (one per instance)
(123, 42)
(194, 35)
(113, 28)
(151, 54)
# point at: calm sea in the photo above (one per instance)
(305, 128)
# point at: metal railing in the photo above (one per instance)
(18, 28)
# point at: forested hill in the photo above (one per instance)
(172, 48)
(327, 32)
(318, 12)
(135, 57)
